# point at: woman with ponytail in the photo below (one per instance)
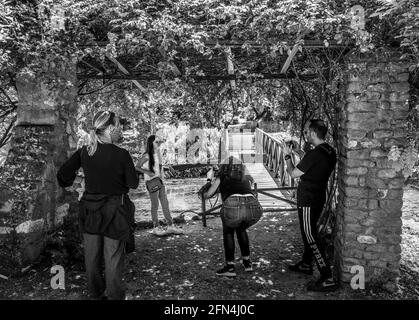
(106, 214)
(153, 175)
(240, 210)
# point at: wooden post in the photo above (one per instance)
(204, 217)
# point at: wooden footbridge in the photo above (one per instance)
(263, 157)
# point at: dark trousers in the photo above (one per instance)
(96, 249)
(238, 214)
(229, 245)
(308, 217)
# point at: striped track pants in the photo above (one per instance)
(308, 217)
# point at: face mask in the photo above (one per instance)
(116, 135)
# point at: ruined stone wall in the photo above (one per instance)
(31, 202)
(370, 191)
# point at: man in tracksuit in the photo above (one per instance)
(314, 171)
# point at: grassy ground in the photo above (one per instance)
(183, 267)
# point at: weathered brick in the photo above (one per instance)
(376, 248)
(355, 87)
(396, 96)
(359, 154)
(386, 173)
(356, 134)
(372, 204)
(357, 163)
(379, 87)
(402, 77)
(395, 194)
(364, 124)
(371, 255)
(385, 105)
(379, 134)
(354, 192)
(362, 106)
(378, 153)
(383, 163)
(369, 222)
(400, 86)
(355, 97)
(391, 205)
(376, 183)
(358, 171)
(396, 67)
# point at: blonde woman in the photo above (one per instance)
(150, 164)
(106, 217)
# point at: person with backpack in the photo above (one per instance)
(106, 214)
(240, 210)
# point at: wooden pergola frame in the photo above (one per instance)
(230, 75)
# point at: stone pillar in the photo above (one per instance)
(370, 191)
(32, 203)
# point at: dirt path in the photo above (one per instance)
(183, 267)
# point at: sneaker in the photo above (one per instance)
(247, 265)
(227, 271)
(323, 285)
(301, 267)
(173, 229)
(158, 231)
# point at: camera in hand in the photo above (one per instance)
(291, 144)
(204, 189)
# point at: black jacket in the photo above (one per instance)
(110, 216)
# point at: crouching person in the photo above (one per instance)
(239, 211)
(106, 216)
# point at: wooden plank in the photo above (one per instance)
(291, 56)
(230, 66)
(125, 71)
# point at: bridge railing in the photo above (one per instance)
(273, 158)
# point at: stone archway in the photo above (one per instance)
(373, 118)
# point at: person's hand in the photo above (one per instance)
(287, 149)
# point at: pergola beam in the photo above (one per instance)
(227, 77)
(125, 71)
(291, 56)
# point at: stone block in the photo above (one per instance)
(354, 192)
(7, 206)
(379, 134)
(371, 255)
(30, 226)
(391, 205)
(367, 124)
(400, 87)
(358, 171)
(398, 96)
(356, 134)
(359, 154)
(60, 213)
(376, 183)
(357, 109)
(376, 248)
(367, 239)
(396, 67)
(378, 87)
(355, 87)
(386, 173)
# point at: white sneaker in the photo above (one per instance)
(158, 231)
(175, 230)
